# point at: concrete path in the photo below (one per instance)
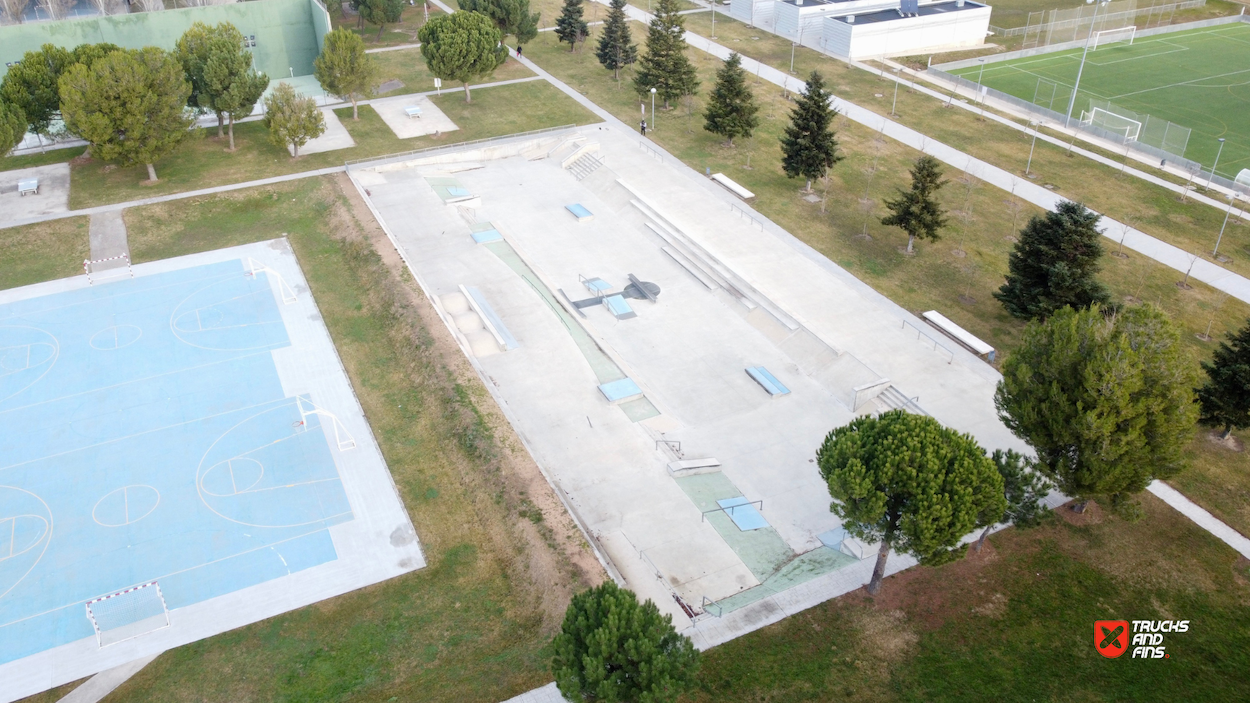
(108, 240)
(1201, 517)
(1179, 259)
(105, 682)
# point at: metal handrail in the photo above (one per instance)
(458, 145)
(733, 207)
(725, 510)
(936, 345)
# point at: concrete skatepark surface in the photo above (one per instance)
(52, 198)
(822, 333)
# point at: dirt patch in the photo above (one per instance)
(884, 636)
(1094, 514)
(1232, 443)
(555, 557)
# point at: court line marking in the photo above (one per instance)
(56, 355)
(47, 540)
(116, 339)
(192, 568)
(137, 434)
(174, 314)
(12, 519)
(89, 301)
(126, 505)
(137, 380)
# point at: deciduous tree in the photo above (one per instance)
(1224, 400)
(292, 119)
(1106, 401)
(1054, 264)
(344, 69)
(910, 484)
(570, 27)
(917, 211)
(130, 106)
(732, 110)
(665, 66)
(612, 648)
(616, 48)
(809, 147)
(461, 46)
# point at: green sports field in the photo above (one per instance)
(1198, 79)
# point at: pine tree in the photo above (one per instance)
(461, 46)
(344, 69)
(809, 147)
(510, 17)
(613, 648)
(616, 49)
(570, 27)
(381, 13)
(31, 85)
(665, 66)
(1024, 490)
(909, 483)
(732, 110)
(12, 127)
(917, 211)
(1224, 399)
(1054, 263)
(1106, 401)
(129, 105)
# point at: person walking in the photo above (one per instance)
(642, 127)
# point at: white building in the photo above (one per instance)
(946, 25)
(870, 28)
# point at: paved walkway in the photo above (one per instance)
(1201, 517)
(105, 682)
(108, 239)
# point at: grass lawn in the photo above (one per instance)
(504, 557)
(43, 251)
(1151, 209)
(1222, 481)
(403, 32)
(1015, 623)
(408, 66)
(1180, 76)
(204, 161)
(51, 156)
(982, 222)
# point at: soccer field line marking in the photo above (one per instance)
(137, 380)
(1127, 59)
(189, 568)
(1187, 83)
(114, 440)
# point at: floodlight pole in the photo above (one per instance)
(1215, 252)
(1029, 165)
(1217, 163)
(1071, 103)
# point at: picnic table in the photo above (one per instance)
(28, 185)
(413, 111)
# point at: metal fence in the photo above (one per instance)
(1077, 22)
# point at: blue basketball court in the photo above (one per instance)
(145, 436)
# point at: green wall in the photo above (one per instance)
(289, 33)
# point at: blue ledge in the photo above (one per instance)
(620, 391)
(744, 515)
(767, 380)
(580, 212)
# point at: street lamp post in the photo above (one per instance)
(653, 108)
(1215, 253)
(897, 79)
(713, 4)
(1068, 121)
(1029, 165)
(1217, 162)
(981, 97)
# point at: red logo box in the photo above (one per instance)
(1111, 637)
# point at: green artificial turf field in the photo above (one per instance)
(1198, 79)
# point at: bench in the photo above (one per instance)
(413, 111)
(493, 324)
(580, 212)
(768, 381)
(618, 307)
(28, 185)
(959, 334)
(733, 187)
(692, 467)
(621, 391)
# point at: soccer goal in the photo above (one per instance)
(254, 267)
(307, 408)
(1114, 36)
(119, 265)
(127, 614)
(1127, 128)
